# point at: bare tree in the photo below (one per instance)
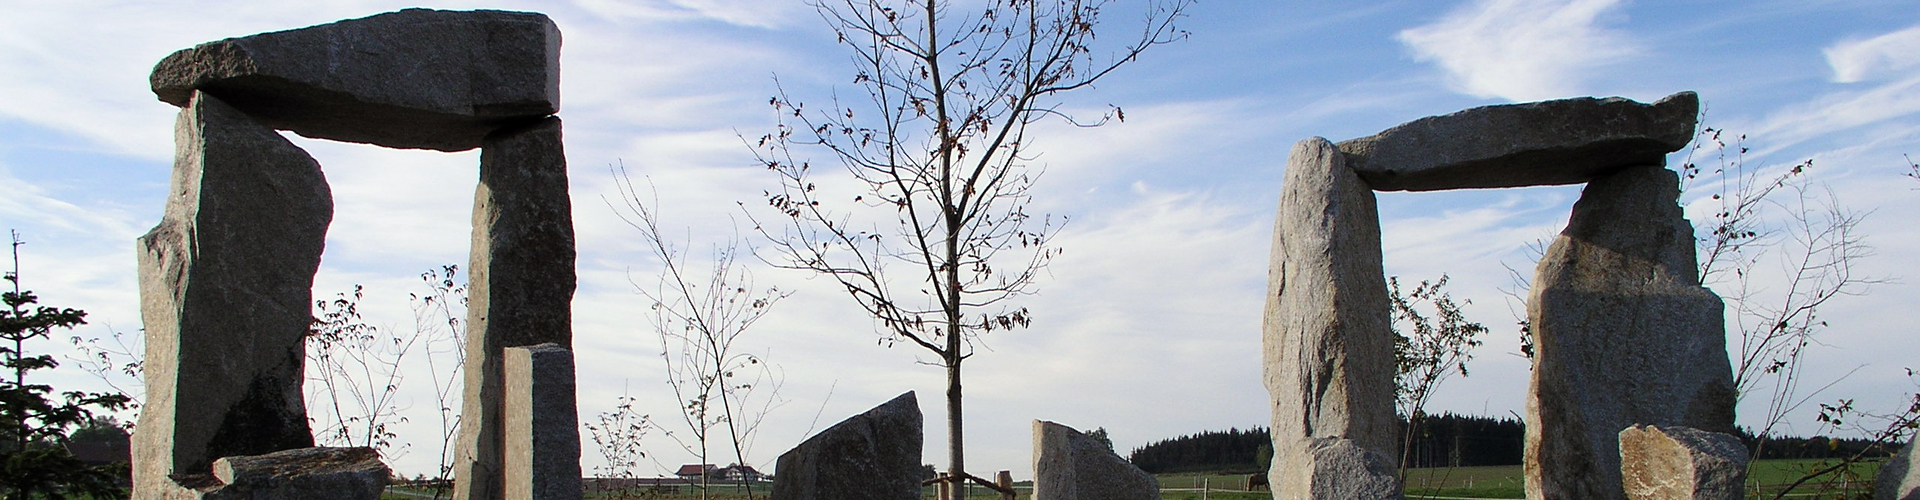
(939, 152)
(357, 367)
(618, 436)
(1777, 247)
(439, 317)
(700, 318)
(1428, 347)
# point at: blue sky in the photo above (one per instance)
(1149, 324)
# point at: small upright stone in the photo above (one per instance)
(1678, 463)
(1069, 465)
(226, 295)
(520, 284)
(542, 424)
(1899, 478)
(871, 456)
(1624, 334)
(416, 78)
(1329, 361)
(1566, 141)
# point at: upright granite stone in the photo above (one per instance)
(871, 456)
(542, 428)
(1565, 141)
(1899, 478)
(226, 282)
(1678, 463)
(1328, 338)
(1069, 465)
(1624, 334)
(520, 285)
(417, 78)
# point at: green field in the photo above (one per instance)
(1456, 482)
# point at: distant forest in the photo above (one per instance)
(1446, 440)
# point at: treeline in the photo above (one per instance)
(1232, 450)
(1444, 440)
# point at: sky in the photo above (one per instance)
(1148, 324)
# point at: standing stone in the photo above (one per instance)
(871, 456)
(542, 430)
(520, 284)
(226, 284)
(1328, 338)
(1565, 141)
(1624, 334)
(1899, 478)
(1069, 465)
(1678, 463)
(417, 78)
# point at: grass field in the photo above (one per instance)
(1458, 482)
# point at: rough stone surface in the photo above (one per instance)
(520, 284)
(1566, 141)
(1678, 463)
(1329, 362)
(1899, 478)
(1338, 468)
(301, 474)
(416, 78)
(871, 456)
(226, 283)
(1624, 334)
(542, 424)
(1069, 465)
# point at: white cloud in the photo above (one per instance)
(1857, 60)
(1522, 50)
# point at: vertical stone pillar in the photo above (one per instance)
(542, 431)
(226, 296)
(1329, 361)
(1624, 334)
(520, 288)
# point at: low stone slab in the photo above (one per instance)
(1328, 340)
(1624, 334)
(1680, 463)
(542, 431)
(1899, 478)
(226, 295)
(297, 474)
(1566, 141)
(1069, 465)
(871, 456)
(416, 78)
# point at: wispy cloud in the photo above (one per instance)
(1523, 50)
(1861, 59)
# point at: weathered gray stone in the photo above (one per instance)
(1566, 141)
(520, 284)
(226, 283)
(542, 424)
(1069, 465)
(301, 474)
(1329, 362)
(1899, 478)
(416, 78)
(1624, 334)
(1679, 463)
(871, 456)
(1338, 468)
